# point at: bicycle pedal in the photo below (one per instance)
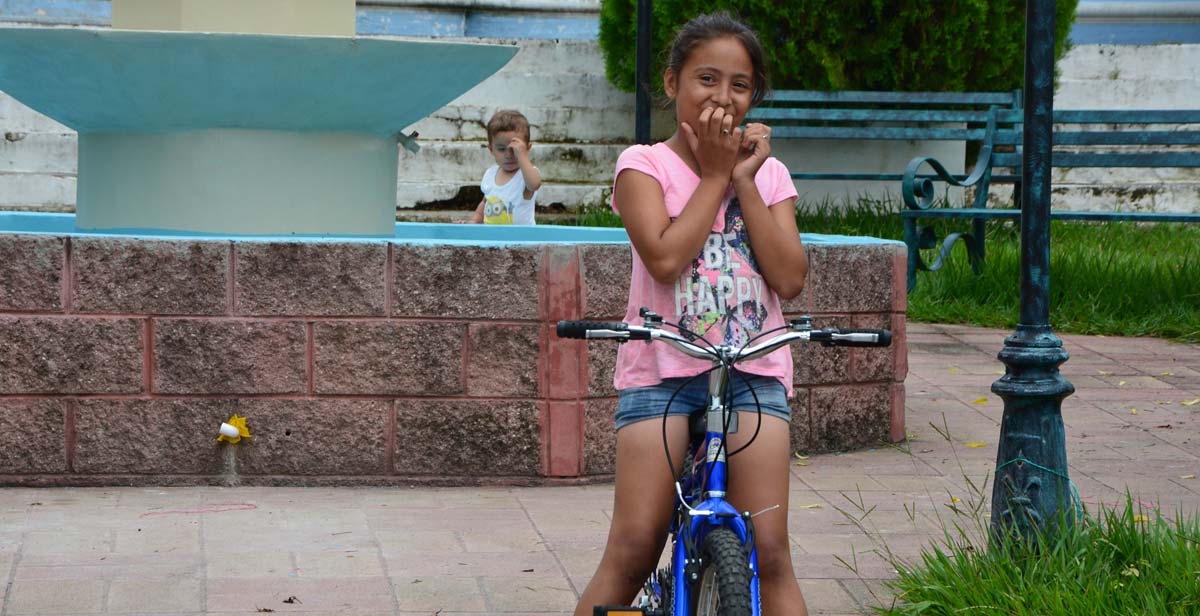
(624, 610)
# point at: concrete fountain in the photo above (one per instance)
(235, 250)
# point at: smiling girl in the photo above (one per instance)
(711, 219)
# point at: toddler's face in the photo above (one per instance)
(505, 151)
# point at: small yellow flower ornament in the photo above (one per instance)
(238, 423)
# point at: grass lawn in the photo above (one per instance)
(1125, 560)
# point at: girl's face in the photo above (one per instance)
(718, 73)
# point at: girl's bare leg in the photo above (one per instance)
(759, 478)
(642, 506)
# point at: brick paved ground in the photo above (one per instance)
(531, 550)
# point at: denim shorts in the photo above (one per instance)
(641, 403)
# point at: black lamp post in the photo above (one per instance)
(641, 74)
(1031, 486)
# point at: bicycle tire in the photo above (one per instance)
(724, 586)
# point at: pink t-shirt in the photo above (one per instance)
(722, 295)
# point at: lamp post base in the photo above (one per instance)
(1031, 482)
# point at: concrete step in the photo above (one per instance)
(41, 192)
(16, 117)
(457, 215)
(38, 152)
(465, 162)
(466, 195)
(1165, 197)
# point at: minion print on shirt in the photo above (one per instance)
(505, 204)
(497, 212)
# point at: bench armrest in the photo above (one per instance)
(919, 193)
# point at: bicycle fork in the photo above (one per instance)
(706, 485)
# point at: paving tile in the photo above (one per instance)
(149, 540)
(345, 595)
(515, 594)
(339, 563)
(68, 542)
(397, 542)
(509, 541)
(831, 543)
(471, 564)
(258, 564)
(141, 596)
(827, 596)
(47, 597)
(109, 567)
(439, 595)
(580, 562)
(869, 593)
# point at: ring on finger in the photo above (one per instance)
(724, 131)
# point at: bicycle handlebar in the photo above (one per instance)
(833, 336)
(598, 329)
(852, 337)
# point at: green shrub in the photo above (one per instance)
(900, 45)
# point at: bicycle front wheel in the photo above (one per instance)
(724, 588)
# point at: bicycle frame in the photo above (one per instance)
(703, 506)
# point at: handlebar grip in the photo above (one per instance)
(579, 329)
(853, 337)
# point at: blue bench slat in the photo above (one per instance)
(1108, 159)
(797, 114)
(1127, 116)
(1126, 137)
(911, 98)
(876, 177)
(891, 133)
(1014, 214)
(882, 177)
(1115, 137)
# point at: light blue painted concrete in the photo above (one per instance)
(370, 20)
(406, 233)
(238, 181)
(432, 22)
(1135, 34)
(74, 12)
(532, 25)
(394, 21)
(127, 81)
(403, 21)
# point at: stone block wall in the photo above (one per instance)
(369, 362)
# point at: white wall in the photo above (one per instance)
(581, 123)
(1161, 76)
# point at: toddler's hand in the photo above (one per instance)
(518, 146)
(714, 143)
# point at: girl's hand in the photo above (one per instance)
(714, 143)
(753, 152)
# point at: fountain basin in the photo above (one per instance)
(424, 357)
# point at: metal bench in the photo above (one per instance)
(1082, 138)
(881, 116)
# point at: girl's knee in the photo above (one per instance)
(774, 560)
(634, 554)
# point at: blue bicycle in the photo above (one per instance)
(714, 563)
